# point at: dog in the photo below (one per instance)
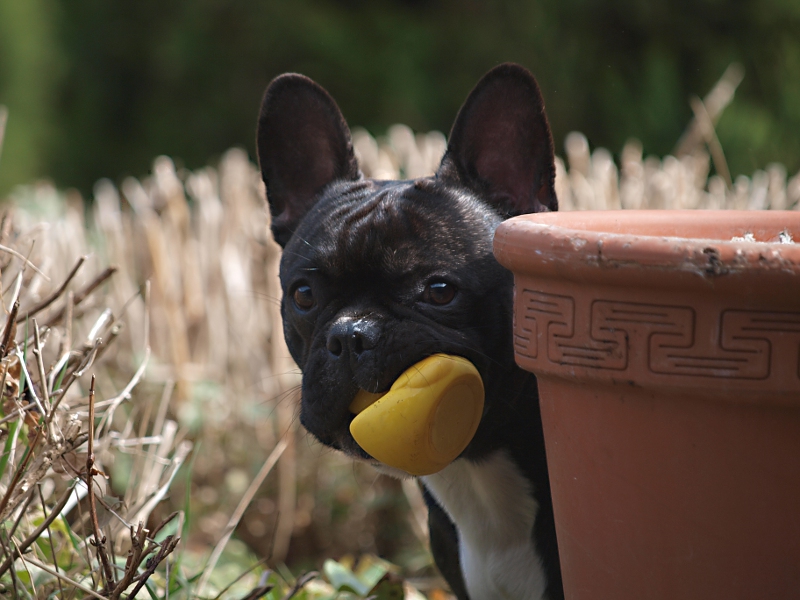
(378, 275)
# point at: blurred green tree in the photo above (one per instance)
(99, 88)
(28, 74)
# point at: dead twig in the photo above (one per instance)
(256, 593)
(8, 552)
(24, 259)
(135, 555)
(37, 352)
(3, 121)
(86, 362)
(10, 330)
(16, 412)
(50, 534)
(706, 127)
(126, 392)
(54, 512)
(21, 514)
(99, 541)
(715, 102)
(300, 583)
(164, 523)
(82, 294)
(139, 551)
(70, 306)
(169, 544)
(55, 295)
(242, 576)
(19, 473)
(237, 514)
(62, 577)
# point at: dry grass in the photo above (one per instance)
(213, 373)
(190, 370)
(64, 422)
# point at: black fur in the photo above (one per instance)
(360, 254)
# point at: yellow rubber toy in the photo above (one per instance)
(426, 419)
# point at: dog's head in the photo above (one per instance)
(378, 275)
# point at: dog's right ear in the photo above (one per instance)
(303, 145)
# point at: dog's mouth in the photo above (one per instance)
(344, 442)
(338, 436)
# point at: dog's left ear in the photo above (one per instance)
(501, 145)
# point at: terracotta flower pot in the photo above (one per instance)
(668, 361)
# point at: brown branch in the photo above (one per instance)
(11, 329)
(55, 295)
(21, 514)
(706, 127)
(69, 307)
(244, 502)
(135, 554)
(715, 102)
(17, 412)
(8, 552)
(54, 513)
(72, 582)
(164, 523)
(82, 294)
(5, 227)
(50, 535)
(19, 472)
(3, 120)
(264, 577)
(25, 259)
(37, 351)
(300, 583)
(169, 544)
(85, 362)
(256, 593)
(99, 542)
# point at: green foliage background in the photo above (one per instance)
(98, 88)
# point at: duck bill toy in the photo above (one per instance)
(427, 417)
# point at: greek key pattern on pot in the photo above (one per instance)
(670, 340)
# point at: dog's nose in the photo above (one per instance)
(356, 337)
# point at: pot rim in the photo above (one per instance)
(596, 302)
(697, 243)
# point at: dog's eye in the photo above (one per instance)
(303, 297)
(439, 292)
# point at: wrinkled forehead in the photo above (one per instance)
(393, 228)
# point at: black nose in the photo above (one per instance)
(356, 337)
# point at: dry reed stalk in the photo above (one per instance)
(287, 483)
(214, 304)
(159, 234)
(237, 514)
(706, 127)
(715, 102)
(418, 517)
(3, 121)
(56, 411)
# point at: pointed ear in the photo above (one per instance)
(501, 145)
(303, 145)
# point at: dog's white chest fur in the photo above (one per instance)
(494, 510)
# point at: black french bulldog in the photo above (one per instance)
(378, 275)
